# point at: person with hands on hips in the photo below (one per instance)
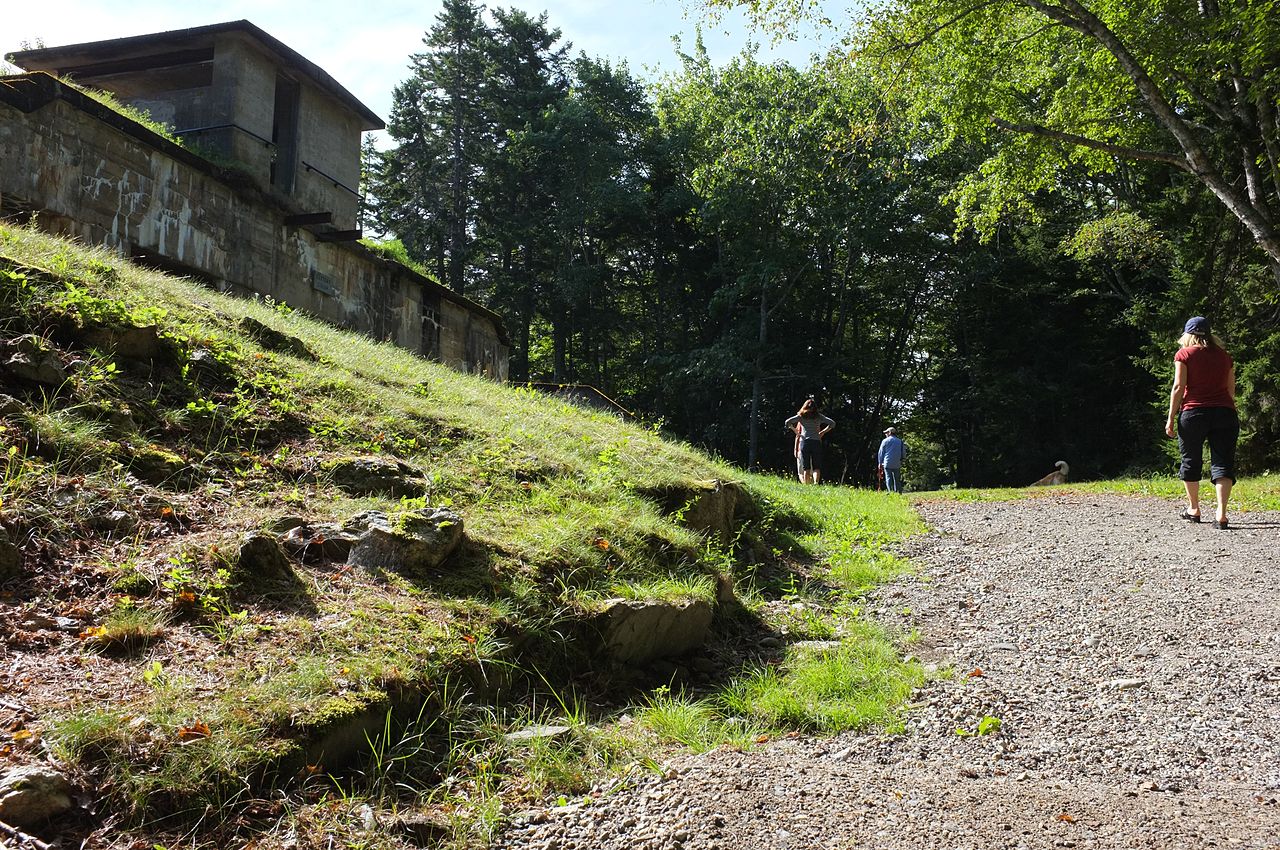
(811, 426)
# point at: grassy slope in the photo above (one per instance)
(218, 690)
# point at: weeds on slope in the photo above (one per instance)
(209, 707)
(835, 669)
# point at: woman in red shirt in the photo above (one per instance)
(1202, 407)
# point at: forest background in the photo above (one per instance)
(983, 223)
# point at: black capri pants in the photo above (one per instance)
(811, 454)
(1221, 427)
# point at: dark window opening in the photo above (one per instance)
(431, 332)
(284, 134)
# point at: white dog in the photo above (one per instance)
(1059, 476)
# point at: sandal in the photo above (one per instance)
(1220, 523)
(1188, 516)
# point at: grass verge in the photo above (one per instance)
(1261, 493)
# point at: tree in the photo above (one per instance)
(821, 260)
(425, 185)
(527, 79)
(1191, 85)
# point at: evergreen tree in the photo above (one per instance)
(439, 120)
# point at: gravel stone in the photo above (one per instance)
(1134, 663)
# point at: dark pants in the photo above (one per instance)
(811, 454)
(1221, 427)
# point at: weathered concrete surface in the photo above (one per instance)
(92, 174)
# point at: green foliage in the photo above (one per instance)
(855, 687)
(141, 116)
(1056, 88)
(696, 724)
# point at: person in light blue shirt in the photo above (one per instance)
(892, 452)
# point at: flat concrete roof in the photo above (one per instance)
(112, 55)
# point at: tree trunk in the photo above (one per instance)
(1074, 15)
(757, 379)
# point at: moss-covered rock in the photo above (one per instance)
(260, 558)
(714, 507)
(377, 476)
(274, 340)
(406, 543)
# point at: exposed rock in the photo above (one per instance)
(345, 724)
(115, 522)
(638, 632)
(26, 359)
(423, 830)
(413, 541)
(725, 593)
(704, 666)
(284, 524)
(132, 342)
(10, 558)
(370, 476)
(274, 340)
(158, 466)
(816, 647)
(32, 795)
(10, 406)
(716, 508)
(262, 558)
(208, 370)
(314, 543)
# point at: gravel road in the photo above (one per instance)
(1132, 659)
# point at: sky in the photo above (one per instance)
(366, 46)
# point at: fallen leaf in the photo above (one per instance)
(602, 544)
(194, 732)
(763, 739)
(1066, 818)
(976, 673)
(22, 735)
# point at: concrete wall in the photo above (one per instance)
(102, 178)
(329, 142)
(244, 84)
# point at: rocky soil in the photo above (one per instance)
(1132, 661)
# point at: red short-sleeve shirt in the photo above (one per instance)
(1208, 377)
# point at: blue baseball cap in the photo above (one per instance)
(1197, 325)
